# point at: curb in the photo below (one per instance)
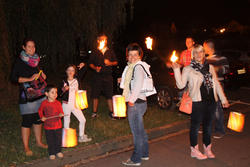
(81, 154)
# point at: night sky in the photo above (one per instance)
(192, 13)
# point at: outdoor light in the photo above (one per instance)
(149, 43)
(222, 30)
(119, 106)
(236, 121)
(174, 58)
(69, 137)
(81, 101)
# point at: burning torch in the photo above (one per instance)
(149, 43)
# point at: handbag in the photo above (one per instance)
(148, 84)
(186, 103)
(34, 90)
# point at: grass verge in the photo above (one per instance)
(100, 129)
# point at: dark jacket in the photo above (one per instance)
(64, 95)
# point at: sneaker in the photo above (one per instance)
(59, 155)
(145, 158)
(52, 157)
(84, 138)
(131, 163)
(218, 135)
(94, 115)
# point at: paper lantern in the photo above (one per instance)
(81, 99)
(236, 121)
(69, 137)
(119, 106)
(174, 58)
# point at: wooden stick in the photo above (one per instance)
(56, 116)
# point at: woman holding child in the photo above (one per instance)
(26, 70)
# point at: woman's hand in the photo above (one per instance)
(176, 65)
(119, 80)
(44, 75)
(225, 105)
(61, 115)
(81, 65)
(168, 64)
(98, 68)
(131, 104)
(33, 77)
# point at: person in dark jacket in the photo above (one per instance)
(101, 61)
(67, 94)
(26, 70)
(221, 66)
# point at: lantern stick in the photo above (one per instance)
(40, 72)
(56, 116)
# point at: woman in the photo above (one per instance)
(204, 89)
(131, 83)
(26, 70)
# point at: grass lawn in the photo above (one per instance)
(100, 129)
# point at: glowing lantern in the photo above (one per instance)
(236, 121)
(81, 99)
(119, 106)
(101, 44)
(174, 58)
(69, 137)
(149, 43)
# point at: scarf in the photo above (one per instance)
(204, 70)
(127, 79)
(30, 60)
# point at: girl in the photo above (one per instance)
(70, 86)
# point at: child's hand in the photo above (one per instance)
(65, 88)
(43, 119)
(81, 65)
(61, 115)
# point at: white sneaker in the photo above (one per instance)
(84, 138)
(145, 158)
(131, 163)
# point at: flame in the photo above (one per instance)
(101, 44)
(174, 58)
(149, 42)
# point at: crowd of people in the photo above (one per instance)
(199, 75)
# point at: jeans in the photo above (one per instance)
(202, 112)
(54, 141)
(140, 137)
(219, 118)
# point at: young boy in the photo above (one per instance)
(50, 113)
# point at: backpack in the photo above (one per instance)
(148, 84)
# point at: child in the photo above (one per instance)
(51, 112)
(69, 87)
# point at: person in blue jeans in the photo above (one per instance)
(131, 82)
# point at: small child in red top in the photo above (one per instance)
(50, 113)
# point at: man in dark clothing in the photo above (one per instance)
(101, 61)
(222, 67)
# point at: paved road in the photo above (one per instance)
(231, 151)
